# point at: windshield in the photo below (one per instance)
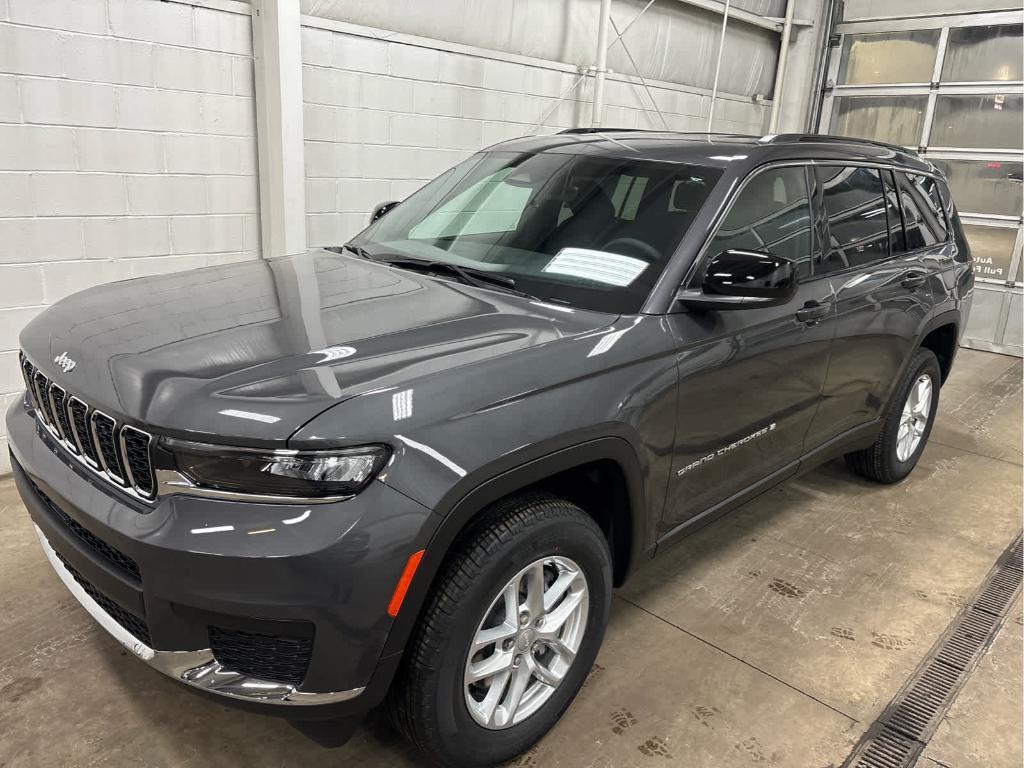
(589, 232)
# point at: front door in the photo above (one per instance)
(750, 379)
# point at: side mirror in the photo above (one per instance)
(738, 279)
(381, 209)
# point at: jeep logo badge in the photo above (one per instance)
(66, 363)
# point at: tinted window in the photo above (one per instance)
(856, 215)
(771, 214)
(592, 232)
(892, 213)
(922, 209)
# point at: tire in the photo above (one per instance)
(429, 701)
(886, 461)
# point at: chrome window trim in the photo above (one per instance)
(196, 668)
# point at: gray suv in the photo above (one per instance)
(411, 469)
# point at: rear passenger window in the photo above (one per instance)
(892, 213)
(771, 214)
(922, 209)
(857, 222)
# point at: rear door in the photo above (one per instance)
(750, 379)
(880, 269)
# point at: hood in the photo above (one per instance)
(249, 352)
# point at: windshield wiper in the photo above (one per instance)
(480, 278)
(358, 250)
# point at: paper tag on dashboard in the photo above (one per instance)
(596, 266)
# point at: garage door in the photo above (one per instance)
(952, 88)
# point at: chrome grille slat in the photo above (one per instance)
(104, 434)
(39, 385)
(135, 456)
(117, 452)
(27, 371)
(59, 406)
(79, 411)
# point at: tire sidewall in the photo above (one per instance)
(924, 363)
(459, 732)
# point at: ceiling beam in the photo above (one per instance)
(737, 14)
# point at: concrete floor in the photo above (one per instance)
(773, 637)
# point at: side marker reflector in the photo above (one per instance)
(404, 581)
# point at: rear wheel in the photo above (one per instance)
(906, 426)
(509, 633)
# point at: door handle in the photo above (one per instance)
(813, 311)
(913, 280)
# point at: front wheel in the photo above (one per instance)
(509, 633)
(906, 426)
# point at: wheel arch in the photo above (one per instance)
(942, 336)
(613, 459)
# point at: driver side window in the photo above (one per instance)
(772, 214)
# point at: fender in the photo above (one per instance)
(952, 317)
(461, 512)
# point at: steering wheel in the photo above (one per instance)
(639, 248)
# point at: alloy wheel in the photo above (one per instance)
(526, 642)
(914, 419)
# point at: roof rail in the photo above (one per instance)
(654, 130)
(827, 138)
(599, 130)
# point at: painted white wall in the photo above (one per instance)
(127, 148)
(386, 112)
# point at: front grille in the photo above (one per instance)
(118, 453)
(134, 624)
(275, 658)
(113, 556)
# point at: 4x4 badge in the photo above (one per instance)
(66, 363)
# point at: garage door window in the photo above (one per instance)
(992, 121)
(889, 57)
(980, 54)
(895, 119)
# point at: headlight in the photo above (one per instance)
(307, 474)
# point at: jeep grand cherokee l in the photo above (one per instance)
(413, 468)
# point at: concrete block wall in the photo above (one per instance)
(384, 113)
(127, 148)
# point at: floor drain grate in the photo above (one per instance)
(898, 737)
(888, 750)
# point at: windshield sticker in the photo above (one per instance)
(597, 266)
(726, 449)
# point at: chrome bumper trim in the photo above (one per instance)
(196, 668)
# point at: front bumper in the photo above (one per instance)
(163, 580)
(198, 668)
